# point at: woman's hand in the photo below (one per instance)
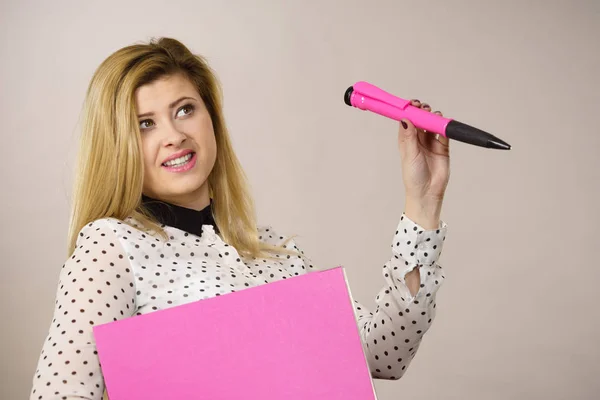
(425, 170)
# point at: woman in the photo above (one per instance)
(162, 216)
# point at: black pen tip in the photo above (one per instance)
(465, 133)
(347, 95)
(498, 144)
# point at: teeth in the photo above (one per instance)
(178, 161)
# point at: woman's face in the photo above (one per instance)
(178, 142)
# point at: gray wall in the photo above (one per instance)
(517, 316)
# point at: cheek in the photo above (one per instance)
(210, 136)
(203, 134)
(148, 153)
(211, 141)
(211, 148)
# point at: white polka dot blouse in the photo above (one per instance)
(117, 271)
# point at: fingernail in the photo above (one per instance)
(404, 124)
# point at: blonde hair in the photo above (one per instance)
(109, 167)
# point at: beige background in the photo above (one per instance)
(518, 313)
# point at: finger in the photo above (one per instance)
(407, 140)
(426, 107)
(443, 140)
(415, 102)
(427, 139)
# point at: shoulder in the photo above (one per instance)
(109, 227)
(97, 228)
(265, 231)
(267, 234)
(296, 261)
(103, 231)
(98, 248)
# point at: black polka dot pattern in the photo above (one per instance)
(393, 332)
(117, 271)
(95, 287)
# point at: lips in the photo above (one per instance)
(177, 155)
(177, 162)
(182, 164)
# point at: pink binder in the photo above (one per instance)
(294, 339)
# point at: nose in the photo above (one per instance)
(173, 136)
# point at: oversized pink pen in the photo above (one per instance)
(366, 96)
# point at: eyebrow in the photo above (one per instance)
(173, 104)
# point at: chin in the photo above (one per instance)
(184, 188)
(167, 185)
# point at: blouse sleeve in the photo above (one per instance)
(95, 286)
(392, 333)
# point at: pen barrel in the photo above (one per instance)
(427, 120)
(370, 98)
(422, 119)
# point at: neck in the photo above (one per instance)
(197, 200)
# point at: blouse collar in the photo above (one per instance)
(186, 219)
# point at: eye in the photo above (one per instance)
(143, 122)
(189, 107)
